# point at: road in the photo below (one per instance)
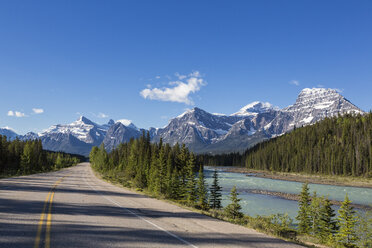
(73, 208)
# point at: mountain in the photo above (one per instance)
(196, 128)
(8, 132)
(255, 108)
(335, 146)
(80, 135)
(204, 132)
(311, 106)
(201, 131)
(28, 136)
(120, 132)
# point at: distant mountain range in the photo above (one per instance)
(201, 131)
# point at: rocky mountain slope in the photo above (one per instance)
(201, 131)
(8, 132)
(255, 122)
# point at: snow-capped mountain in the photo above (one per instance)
(28, 136)
(81, 134)
(83, 129)
(199, 130)
(312, 105)
(8, 132)
(196, 128)
(205, 132)
(255, 108)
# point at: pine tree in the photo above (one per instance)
(215, 196)
(303, 217)
(27, 158)
(314, 210)
(346, 235)
(233, 209)
(202, 192)
(327, 224)
(175, 191)
(190, 181)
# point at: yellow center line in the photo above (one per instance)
(49, 222)
(40, 225)
(49, 199)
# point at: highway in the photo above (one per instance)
(74, 208)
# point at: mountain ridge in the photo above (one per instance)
(201, 131)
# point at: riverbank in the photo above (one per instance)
(297, 177)
(296, 197)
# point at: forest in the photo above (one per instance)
(334, 146)
(157, 168)
(26, 157)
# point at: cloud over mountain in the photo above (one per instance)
(179, 91)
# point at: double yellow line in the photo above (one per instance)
(49, 200)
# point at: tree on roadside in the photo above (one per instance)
(303, 216)
(215, 196)
(202, 192)
(190, 181)
(233, 209)
(347, 220)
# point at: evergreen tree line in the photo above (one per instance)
(157, 168)
(334, 146)
(27, 157)
(317, 218)
(163, 171)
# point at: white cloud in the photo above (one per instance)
(179, 76)
(179, 93)
(157, 77)
(16, 113)
(38, 110)
(320, 86)
(294, 82)
(102, 115)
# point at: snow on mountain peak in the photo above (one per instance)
(311, 92)
(255, 108)
(127, 123)
(84, 120)
(8, 128)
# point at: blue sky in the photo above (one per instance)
(148, 61)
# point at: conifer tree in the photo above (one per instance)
(233, 209)
(346, 235)
(175, 190)
(314, 211)
(191, 182)
(202, 192)
(215, 196)
(303, 217)
(327, 224)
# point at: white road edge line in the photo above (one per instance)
(140, 217)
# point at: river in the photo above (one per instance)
(256, 204)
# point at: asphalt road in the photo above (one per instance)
(73, 208)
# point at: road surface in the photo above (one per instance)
(73, 208)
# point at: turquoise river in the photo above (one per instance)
(257, 204)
